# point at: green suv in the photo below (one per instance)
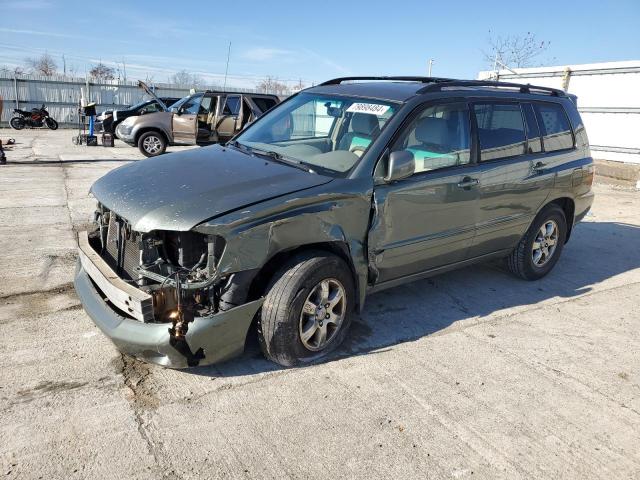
(346, 188)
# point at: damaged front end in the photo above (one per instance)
(157, 295)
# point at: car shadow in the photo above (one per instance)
(596, 252)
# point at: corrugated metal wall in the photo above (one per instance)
(62, 95)
(608, 101)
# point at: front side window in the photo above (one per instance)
(324, 131)
(556, 133)
(188, 104)
(438, 138)
(500, 130)
(207, 106)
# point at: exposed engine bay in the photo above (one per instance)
(178, 269)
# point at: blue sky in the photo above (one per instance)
(311, 41)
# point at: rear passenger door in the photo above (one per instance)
(512, 185)
(226, 127)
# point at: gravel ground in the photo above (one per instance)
(472, 374)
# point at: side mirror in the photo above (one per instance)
(400, 165)
(180, 111)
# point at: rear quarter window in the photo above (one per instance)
(554, 123)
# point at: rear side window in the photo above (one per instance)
(534, 145)
(555, 127)
(232, 106)
(263, 103)
(500, 130)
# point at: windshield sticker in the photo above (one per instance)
(370, 108)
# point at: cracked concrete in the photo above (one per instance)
(472, 374)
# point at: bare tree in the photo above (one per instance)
(272, 85)
(185, 78)
(102, 72)
(514, 51)
(44, 65)
(13, 70)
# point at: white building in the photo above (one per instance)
(608, 100)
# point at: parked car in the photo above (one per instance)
(110, 119)
(344, 189)
(199, 119)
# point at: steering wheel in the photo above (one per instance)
(357, 150)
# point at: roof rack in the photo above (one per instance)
(339, 80)
(528, 88)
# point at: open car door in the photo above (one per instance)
(185, 120)
(228, 118)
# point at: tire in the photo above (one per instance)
(152, 144)
(51, 123)
(282, 322)
(17, 123)
(530, 264)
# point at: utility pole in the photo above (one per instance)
(64, 65)
(431, 62)
(226, 70)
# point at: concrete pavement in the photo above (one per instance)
(472, 374)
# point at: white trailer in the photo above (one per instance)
(608, 100)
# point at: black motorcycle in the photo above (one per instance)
(36, 118)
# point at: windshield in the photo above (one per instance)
(323, 131)
(140, 104)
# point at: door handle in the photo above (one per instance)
(468, 182)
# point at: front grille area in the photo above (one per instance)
(123, 249)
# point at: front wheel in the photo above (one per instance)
(540, 248)
(307, 310)
(51, 123)
(152, 144)
(17, 123)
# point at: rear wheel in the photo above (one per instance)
(17, 123)
(51, 123)
(307, 310)
(540, 248)
(152, 144)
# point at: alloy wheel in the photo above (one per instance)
(322, 314)
(545, 243)
(152, 144)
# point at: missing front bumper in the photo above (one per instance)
(209, 339)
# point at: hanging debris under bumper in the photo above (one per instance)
(208, 339)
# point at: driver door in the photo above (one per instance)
(185, 121)
(427, 220)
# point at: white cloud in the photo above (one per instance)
(261, 54)
(39, 32)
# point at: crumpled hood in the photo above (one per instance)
(180, 190)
